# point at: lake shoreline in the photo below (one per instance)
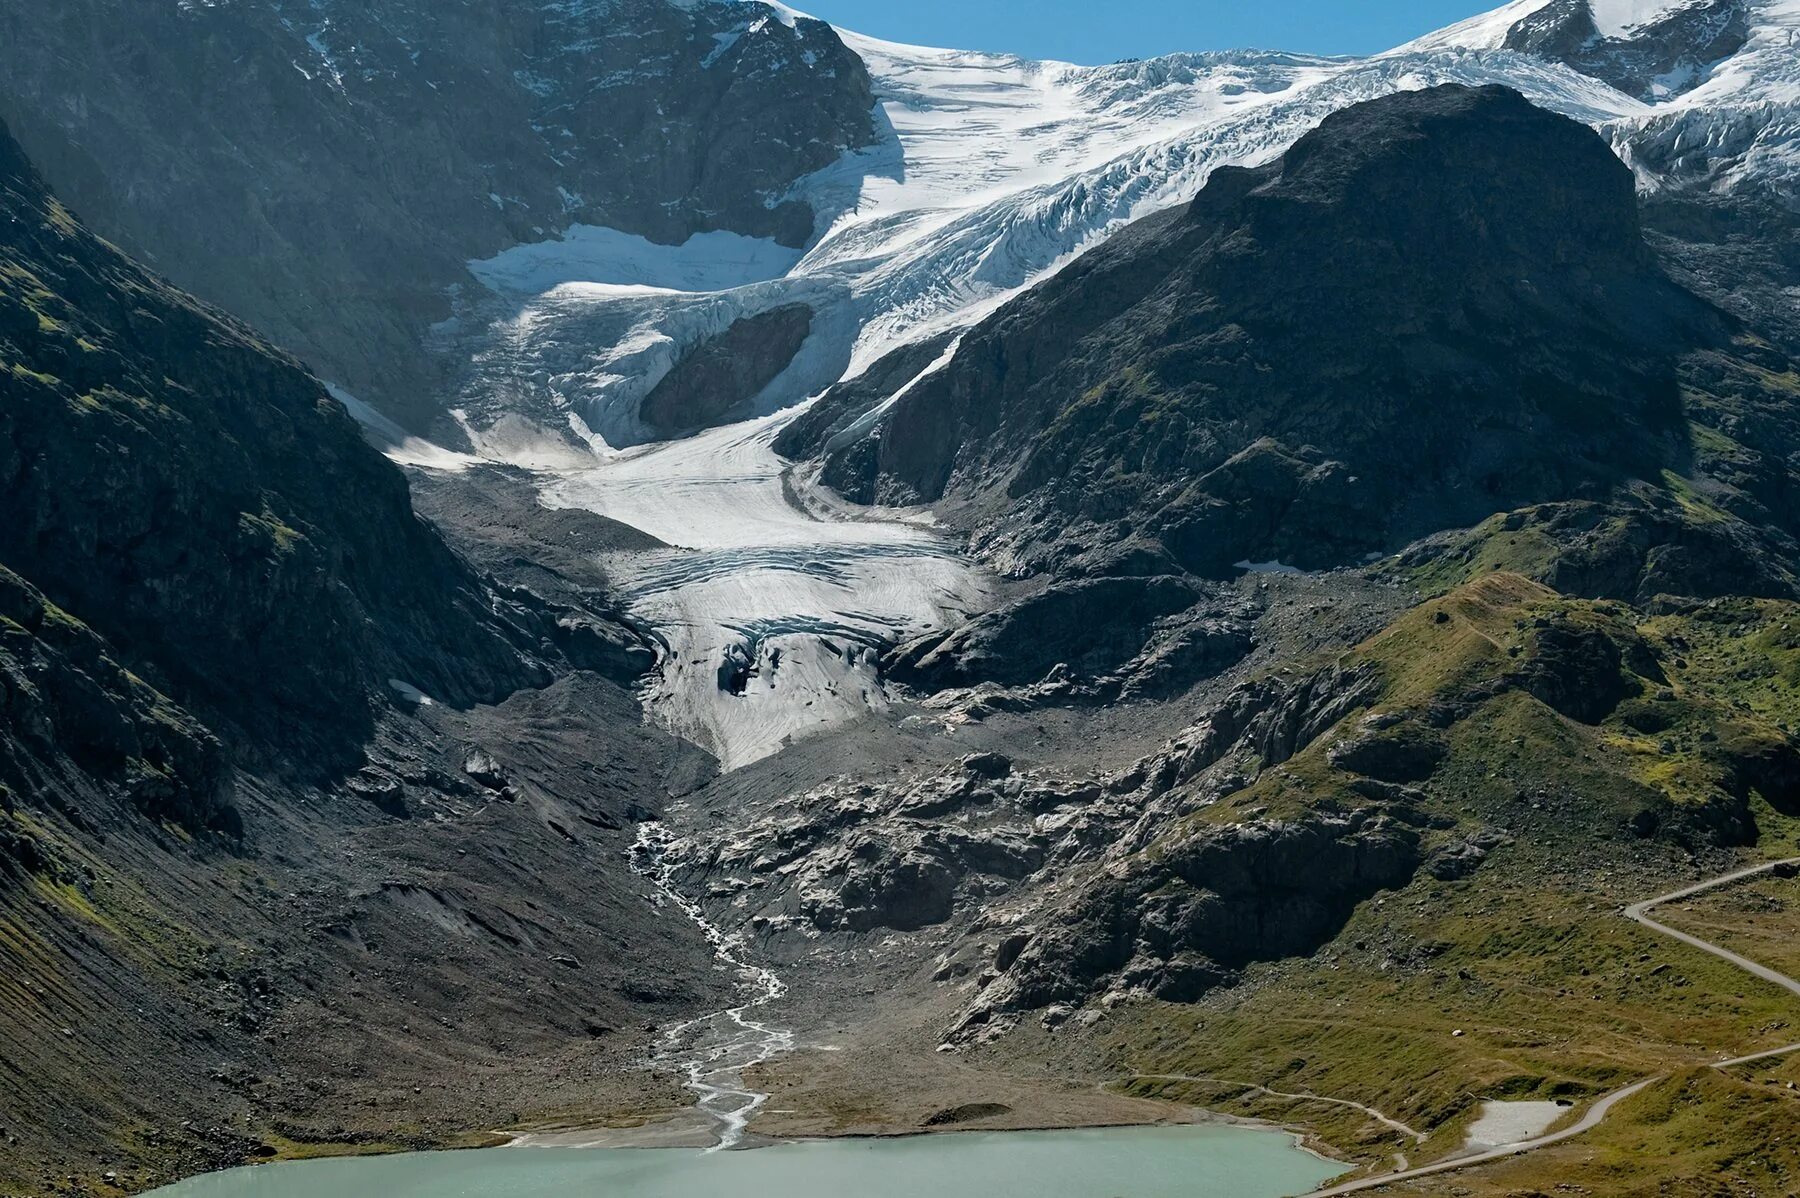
(1221, 1156)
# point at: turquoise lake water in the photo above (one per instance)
(1144, 1162)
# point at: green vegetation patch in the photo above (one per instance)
(270, 532)
(1597, 745)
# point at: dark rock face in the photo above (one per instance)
(891, 886)
(832, 417)
(1271, 718)
(1390, 750)
(1205, 907)
(1090, 627)
(63, 696)
(721, 375)
(1664, 58)
(1273, 373)
(324, 168)
(204, 506)
(906, 876)
(1580, 672)
(216, 822)
(852, 857)
(1739, 252)
(1081, 641)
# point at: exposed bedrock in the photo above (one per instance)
(835, 418)
(1212, 902)
(1667, 55)
(1153, 635)
(720, 376)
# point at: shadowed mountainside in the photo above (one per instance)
(254, 884)
(324, 169)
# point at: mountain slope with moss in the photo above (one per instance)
(294, 803)
(1557, 759)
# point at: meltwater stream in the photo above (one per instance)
(713, 1051)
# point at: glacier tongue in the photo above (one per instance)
(773, 603)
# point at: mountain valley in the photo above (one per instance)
(658, 572)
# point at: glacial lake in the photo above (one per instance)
(1206, 1161)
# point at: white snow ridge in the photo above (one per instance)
(995, 172)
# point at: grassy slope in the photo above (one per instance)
(1555, 995)
(1759, 919)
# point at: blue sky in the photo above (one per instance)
(1094, 31)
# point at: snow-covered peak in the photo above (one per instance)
(1486, 31)
(1617, 18)
(995, 170)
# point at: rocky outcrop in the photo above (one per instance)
(852, 857)
(1098, 633)
(723, 374)
(1267, 720)
(832, 419)
(1183, 920)
(1666, 56)
(1270, 375)
(1738, 251)
(346, 158)
(200, 501)
(1582, 672)
(1390, 748)
(1629, 550)
(859, 855)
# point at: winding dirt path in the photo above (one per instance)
(1640, 913)
(1385, 1120)
(1597, 1113)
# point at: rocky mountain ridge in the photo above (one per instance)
(1218, 387)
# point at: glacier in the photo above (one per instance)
(994, 172)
